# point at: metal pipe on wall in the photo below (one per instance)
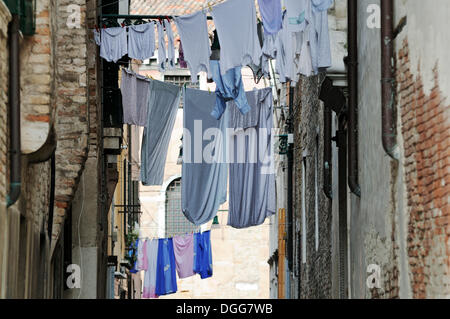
(388, 120)
(327, 168)
(352, 63)
(14, 111)
(290, 205)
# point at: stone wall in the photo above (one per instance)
(71, 112)
(315, 270)
(5, 17)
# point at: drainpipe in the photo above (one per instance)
(327, 122)
(290, 205)
(388, 121)
(352, 62)
(14, 111)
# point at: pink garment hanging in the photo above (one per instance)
(183, 247)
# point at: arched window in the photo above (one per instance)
(176, 222)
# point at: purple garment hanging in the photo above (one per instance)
(181, 60)
(183, 247)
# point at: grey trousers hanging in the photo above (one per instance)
(252, 177)
(164, 99)
(204, 180)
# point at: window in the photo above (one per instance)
(181, 80)
(176, 222)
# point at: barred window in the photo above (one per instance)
(176, 222)
(181, 80)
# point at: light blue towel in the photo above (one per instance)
(163, 102)
(204, 179)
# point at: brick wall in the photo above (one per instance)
(426, 133)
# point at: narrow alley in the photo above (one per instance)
(226, 149)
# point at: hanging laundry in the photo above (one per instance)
(141, 41)
(183, 246)
(170, 45)
(252, 179)
(319, 35)
(166, 280)
(321, 5)
(136, 139)
(113, 44)
(296, 11)
(262, 68)
(163, 102)
(161, 47)
(203, 264)
(271, 15)
(288, 46)
(135, 94)
(228, 87)
(141, 263)
(193, 32)
(204, 180)
(133, 250)
(97, 37)
(235, 21)
(181, 62)
(305, 62)
(150, 274)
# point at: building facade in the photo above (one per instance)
(370, 210)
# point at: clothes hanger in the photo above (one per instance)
(127, 22)
(139, 21)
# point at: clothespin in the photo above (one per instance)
(168, 19)
(209, 6)
(209, 90)
(96, 28)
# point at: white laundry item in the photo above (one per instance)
(288, 46)
(296, 11)
(170, 45)
(140, 265)
(161, 48)
(320, 41)
(193, 32)
(236, 26)
(141, 41)
(269, 47)
(97, 37)
(321, 5)
(113, 44)
(305, 63)
(150, 273)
